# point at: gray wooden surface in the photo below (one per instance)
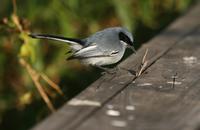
(148, 102)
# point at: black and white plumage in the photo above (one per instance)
(104, 47)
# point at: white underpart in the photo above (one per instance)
(106, 59)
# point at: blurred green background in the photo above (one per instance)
(21, 105)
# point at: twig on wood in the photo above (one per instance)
(143, 64)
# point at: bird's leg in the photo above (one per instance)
(114, 70)
(132, 72)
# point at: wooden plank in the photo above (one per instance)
(108, 86)
(151, 102)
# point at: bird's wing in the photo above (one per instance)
(92, 51)
(75, 44)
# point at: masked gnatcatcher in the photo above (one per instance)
(104, 47)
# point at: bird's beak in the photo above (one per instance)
(132, 48)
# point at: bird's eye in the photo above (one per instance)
(123, 37)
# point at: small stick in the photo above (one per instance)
(35, 77)
(143, 64)
(145, 55)
(14, 6)
(174, 79)
(52, 84)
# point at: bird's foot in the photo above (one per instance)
(132, 72)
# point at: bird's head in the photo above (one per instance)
(126, 38)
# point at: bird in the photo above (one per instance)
(105, 47)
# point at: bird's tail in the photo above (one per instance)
(76, 44)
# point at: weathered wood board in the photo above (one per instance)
(149, 101)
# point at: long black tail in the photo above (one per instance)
(57, 38)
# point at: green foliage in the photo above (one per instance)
(72, 18)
